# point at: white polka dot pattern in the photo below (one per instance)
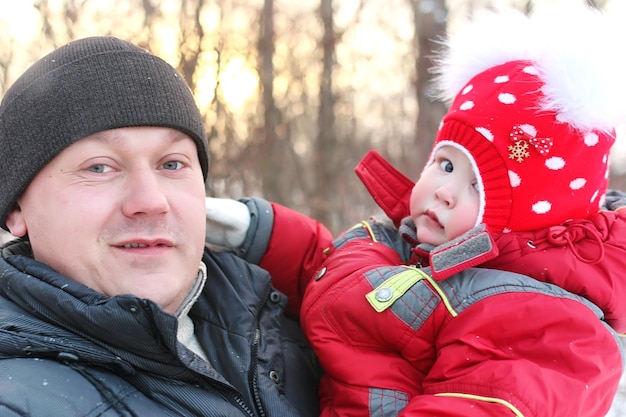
(468, 105)
(542, 207)
(507, 98)
(486, 133)
(536, 170)
(515, 179)
(577, 184)
(591, 139)
(467, 89)
(555, 163)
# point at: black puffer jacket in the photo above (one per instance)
(66, 350)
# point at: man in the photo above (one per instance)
(109, 302)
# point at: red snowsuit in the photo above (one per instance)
(396, 342)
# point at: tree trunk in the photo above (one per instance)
(322, 206)
(272, 150)
(430, 25)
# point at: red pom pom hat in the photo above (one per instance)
(540, 156)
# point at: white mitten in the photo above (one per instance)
(227, 222)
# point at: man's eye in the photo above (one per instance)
(173, 165)
(98, 169)
(446, 165)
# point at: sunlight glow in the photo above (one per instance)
(13, 16)
(205, 87)
(239, 82)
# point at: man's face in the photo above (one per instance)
(445, 200)
(121, 211)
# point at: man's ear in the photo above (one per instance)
(15, 222)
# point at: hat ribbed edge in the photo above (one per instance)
(493, 173)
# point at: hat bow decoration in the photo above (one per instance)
(522, 139)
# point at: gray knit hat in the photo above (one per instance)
(82, 88)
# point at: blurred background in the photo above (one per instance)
(293, 93)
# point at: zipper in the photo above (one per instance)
(254, 353)
(254, 378)
(229, 395)
(253, 374)
(242, 404)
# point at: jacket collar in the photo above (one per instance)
(46, 314)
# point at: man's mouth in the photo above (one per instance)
(145, 244)
(136, 245)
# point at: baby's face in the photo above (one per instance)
(445, 200)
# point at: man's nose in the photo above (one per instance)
(144, 194)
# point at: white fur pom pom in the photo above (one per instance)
(575, 49)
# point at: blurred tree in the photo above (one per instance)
(273, 148)
(324, 150)
(330, 80)
(6, 56)
(191, 39)
(429, 20)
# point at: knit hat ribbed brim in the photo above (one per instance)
(491, 171)
(87, 86)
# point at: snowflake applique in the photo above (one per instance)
(519, 151)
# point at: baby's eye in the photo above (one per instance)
(476, 186)
(173, 165)
(446, 165)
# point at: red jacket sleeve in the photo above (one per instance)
(294, 253)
